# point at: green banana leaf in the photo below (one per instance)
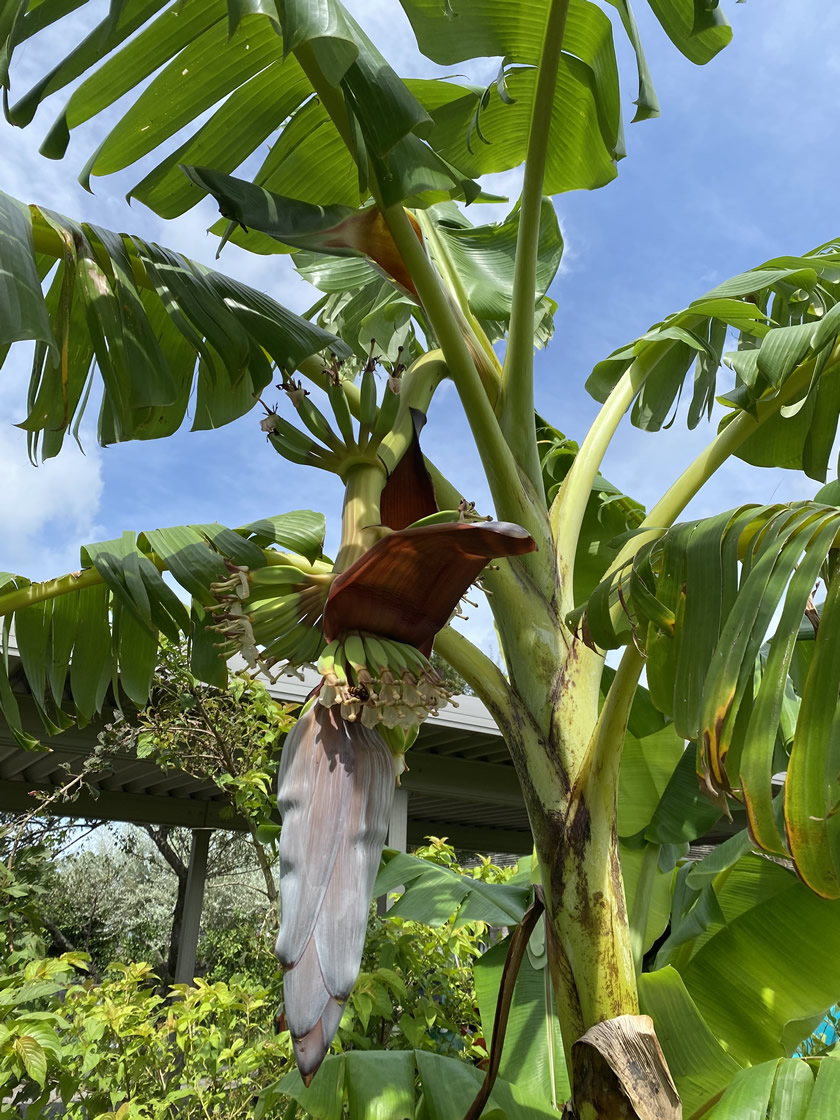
(785, 312)
(384, 1085)
(532, 1057)
(700, 601)
(744, 970)
(433, 894)
(111, 616)
(152, 322)
(242, 66)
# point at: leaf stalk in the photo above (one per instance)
(569, 506)
(516, 406)
(513, 502)
(90, 577)
(713, 456)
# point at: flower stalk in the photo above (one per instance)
(360, 521)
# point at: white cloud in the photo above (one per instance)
(48, 511)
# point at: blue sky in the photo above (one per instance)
(741, 167)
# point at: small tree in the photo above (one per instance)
(360, 184)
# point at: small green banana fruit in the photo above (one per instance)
(380, 682)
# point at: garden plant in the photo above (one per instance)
(738, 646)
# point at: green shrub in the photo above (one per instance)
(119, 1049)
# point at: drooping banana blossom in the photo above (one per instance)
(336, 785)
(337, 774)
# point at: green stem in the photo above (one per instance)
(313, 370)
(360, 521)
(513, 502)
(450, 276)
(480, 673)
(515, 496)
(50, 589)
(608, 736)
(517, 403)
(569, 506)
(712, 457)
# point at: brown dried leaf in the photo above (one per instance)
(619, 1073)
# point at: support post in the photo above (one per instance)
(398, 824)
(196, 878)
(397, 837)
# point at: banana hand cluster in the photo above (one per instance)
(323, 446)
(380, 682)
(277, 607)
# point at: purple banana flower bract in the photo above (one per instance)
(336, 786)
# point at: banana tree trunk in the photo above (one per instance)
(573, 823)
(567, 755)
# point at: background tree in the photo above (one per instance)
(361, 181)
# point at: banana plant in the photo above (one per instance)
(366, 186)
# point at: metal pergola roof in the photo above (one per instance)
(460, 784)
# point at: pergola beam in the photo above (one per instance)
(132, 808)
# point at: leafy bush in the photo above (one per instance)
(118, 1049)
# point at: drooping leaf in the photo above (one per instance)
(698, 30)
(701, 601)
(483, 257)
(532, 1056)
(583, 145)
(145, 314)
(763, 935)
(698, 1063)
(102, 626)
(238, 63)
(264, 101)
(783, 312)
(433, 894)
(446, 1086)
(301, 532)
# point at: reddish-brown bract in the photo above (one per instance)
(409, 494)
(407, 585)
(367, 232)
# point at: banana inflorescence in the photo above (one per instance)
(379, 681)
